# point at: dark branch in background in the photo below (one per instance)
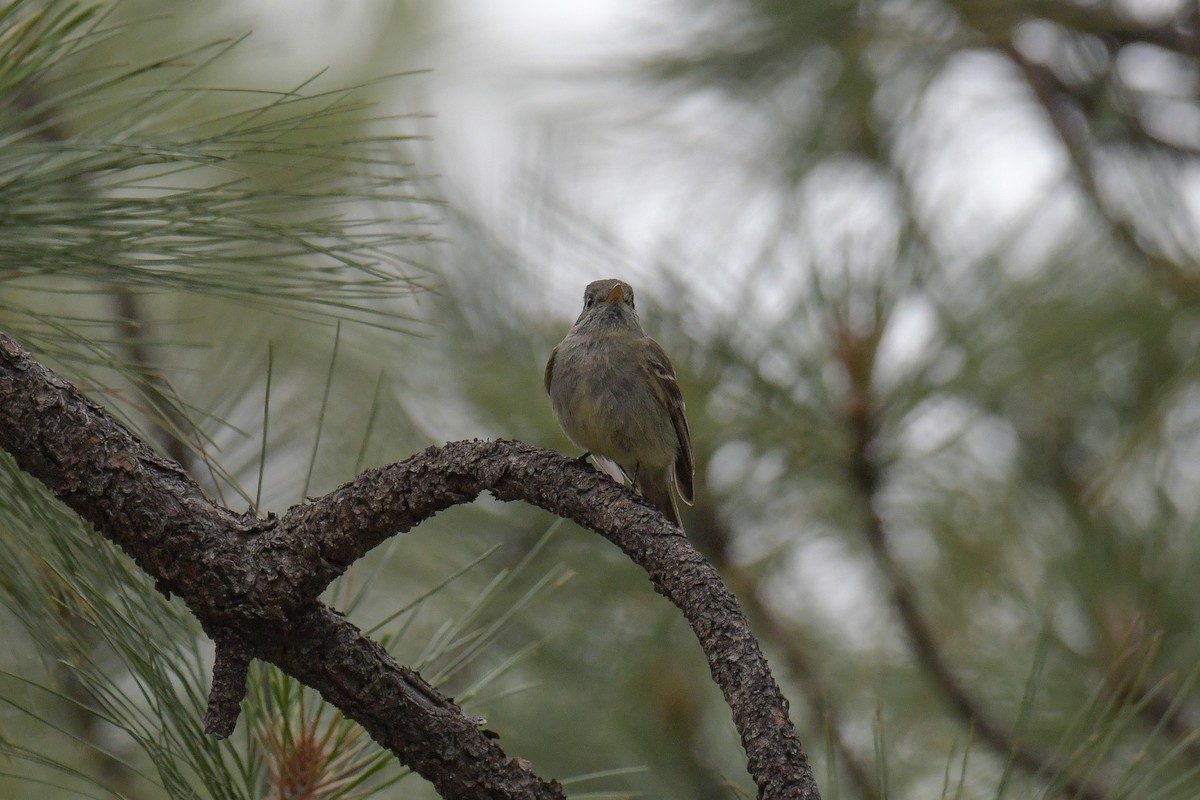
(1063, 110)
(1159, 707)
(45, 125)
(174, 431)
(253, 583)
(1066, 107)
(171, 427)
(857, 355)
(1180, 35)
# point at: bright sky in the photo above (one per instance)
(496, 87)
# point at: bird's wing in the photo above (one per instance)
(667, 389)
(550, 369)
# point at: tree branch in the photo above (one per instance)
(253, 583)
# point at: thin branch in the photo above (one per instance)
(707, 528)
(230, 668)
(175, 433)
(256, 581)
(1064, 112)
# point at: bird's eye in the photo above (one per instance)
(588, 300)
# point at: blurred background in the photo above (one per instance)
(929, 272)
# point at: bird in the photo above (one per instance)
(614, 393)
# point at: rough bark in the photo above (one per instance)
(253, 583)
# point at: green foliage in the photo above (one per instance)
(114, 654)
(141, 204)
(138, 196)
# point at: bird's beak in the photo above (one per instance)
(617, 294)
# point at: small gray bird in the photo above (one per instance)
(615, 394)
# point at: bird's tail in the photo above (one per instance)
(659, 489)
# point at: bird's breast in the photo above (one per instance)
(605, 402)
